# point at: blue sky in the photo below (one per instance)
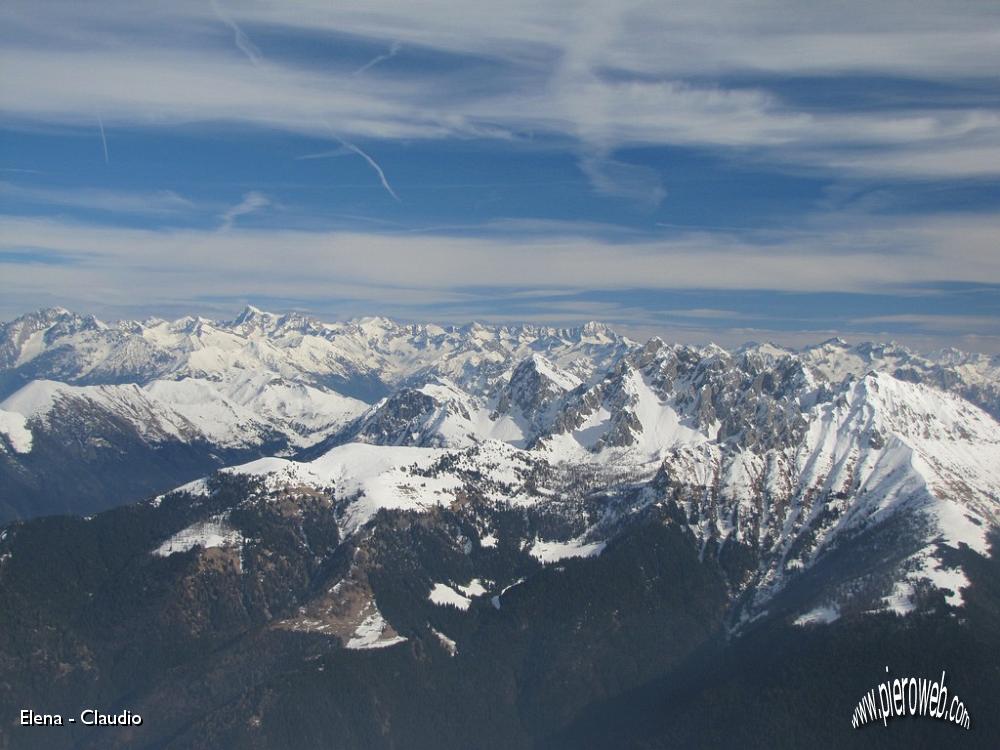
(703, 171)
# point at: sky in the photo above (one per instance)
(702, 171)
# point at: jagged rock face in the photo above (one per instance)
(405, 418)
(17, 334)
(744, 400)
(751, 402)
(531, 389)
(535, 389)
(756, 405)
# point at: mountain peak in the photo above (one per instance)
(249, 313)
(834, 342)
(370, 324)
(596, 328)
(49, 315)
(254, 317)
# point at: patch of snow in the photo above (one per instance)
(550, 552)
(379, 477)
(449, 645)
(14, 427)
(564, 380)
(925, 566)
(244, 405)
(662, 427)
(211, 533)
(369, 634)
(34, 398)
(950, 579)
(197, 487)
(593, 428)
(444, 595)
(474, 588)
(31, 348)
(822, 615)
(900, 599)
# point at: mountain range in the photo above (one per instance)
(335, 529)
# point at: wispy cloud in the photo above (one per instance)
(147, 203)
(783, 86)
(640, 282)
(252, 202)
(936, 323)
(636, 183)
(612, 77)
(874, 255)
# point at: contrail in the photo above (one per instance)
(254, 55)
(373, 164)
(242, 40)
(104, 140)
(393, 51)
(342, 151)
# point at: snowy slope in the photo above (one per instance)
(250, 410)
(14, 429)
(377, 477)
(225, 409)
(154, 421)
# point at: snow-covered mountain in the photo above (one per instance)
(876, 457)
(973, 376)
(261, 384)
(245, 381)
(771, 460)
(366, 357)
